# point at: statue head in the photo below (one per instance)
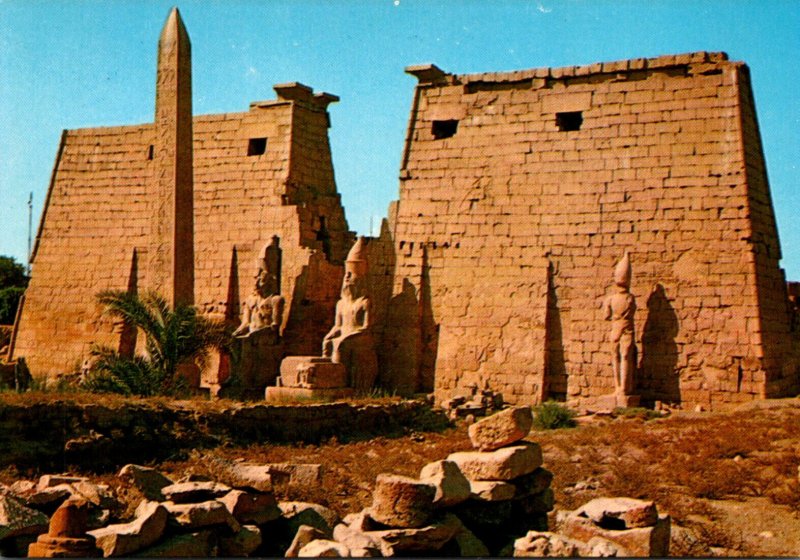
(355, 269)
(622, 272)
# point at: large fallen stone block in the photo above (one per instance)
(620, 513)
(50, 480)
(506, 463)
(250, 476)
(543, 544)
(257, 508)
(452, 487)
(17, 520)
(501, 429)
(125, 538)
(199, 544)
(242, 544)
(284, 475)
(430, 538)
(639, 541)
(359, 543)
(148, 481)
(399, 501)
(204, 514)
(194, 492)
(322, 548)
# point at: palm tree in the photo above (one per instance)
(173, 337)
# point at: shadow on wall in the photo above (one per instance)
(658, 368)
(409, 337)
(556, 380)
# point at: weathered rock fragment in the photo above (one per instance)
(305, 534)
(251, 507)
(194, 492)
(452, 487)
(16, 519)
(501, 429)
(243, 543)
(322, 548)
(620, 513)
(126, 538)
(399, 501)
(506, 463)
(541, 544)
(204, 514)
(66, 536)
(148, 481)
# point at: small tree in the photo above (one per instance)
(12, 285)
(173, 337)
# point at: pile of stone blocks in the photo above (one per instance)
(473, 403)
(473, 503)
(621, 527)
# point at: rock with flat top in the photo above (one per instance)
(194, 492)
(502, 429)
(50, 480)
(638, 542)
(400, 501)
(148, 481)
(204, 514)
(452, 487)
(506, 463)
(250, 476)
(620, 513)
(251, 507)
(126, 538)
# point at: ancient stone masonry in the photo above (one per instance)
(257, 174)
(520, 190)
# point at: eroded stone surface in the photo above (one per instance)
(640, 541)
(621, 513)
(492, 490)
(540, 544)
(399, 501)
(452, 487)
(307, 513)
(194, 492)
(16, 519)
(322, 548)
(506, 463)
(148, 481)
(243, 543)
(204, 514)
(304, 535)
(125, 538)
(251, 507)
(501, 429)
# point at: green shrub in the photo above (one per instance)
(9, 300)
(551, 415)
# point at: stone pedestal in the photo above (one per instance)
(259, 361)
(309, 377)
(66, 537)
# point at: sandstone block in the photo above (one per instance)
(534, 483)
(322, 548)
(194, 492)
(50, 480)
(638, 542)
(451, 485)
(125, 538)
(204, 514)
(306, 513)
(491, 490)
(357, 540)
(305, 534)
(247, 507)
(148, 481)
(251, 476)
(501, 429)
(620, 513)
(430, 538)
(16, 519)
(200, 544)
(243, 543)
(399, 501)
(506, 463)
(540, 544)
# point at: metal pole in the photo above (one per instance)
(30, 225)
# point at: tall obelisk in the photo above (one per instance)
(172, 261)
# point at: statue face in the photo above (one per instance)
(266, 283)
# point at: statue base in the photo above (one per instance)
(614, 400)
(289, 394)
(312, 372)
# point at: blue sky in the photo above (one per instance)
(72, 64)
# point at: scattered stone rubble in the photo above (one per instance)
(474, 402)
(492, 500)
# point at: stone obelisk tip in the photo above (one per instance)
(174, 29)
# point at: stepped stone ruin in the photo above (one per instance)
(518, 193)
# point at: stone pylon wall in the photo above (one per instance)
(570, 167)
(97, 214)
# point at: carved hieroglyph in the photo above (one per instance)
(619, 308)
(172, 257)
